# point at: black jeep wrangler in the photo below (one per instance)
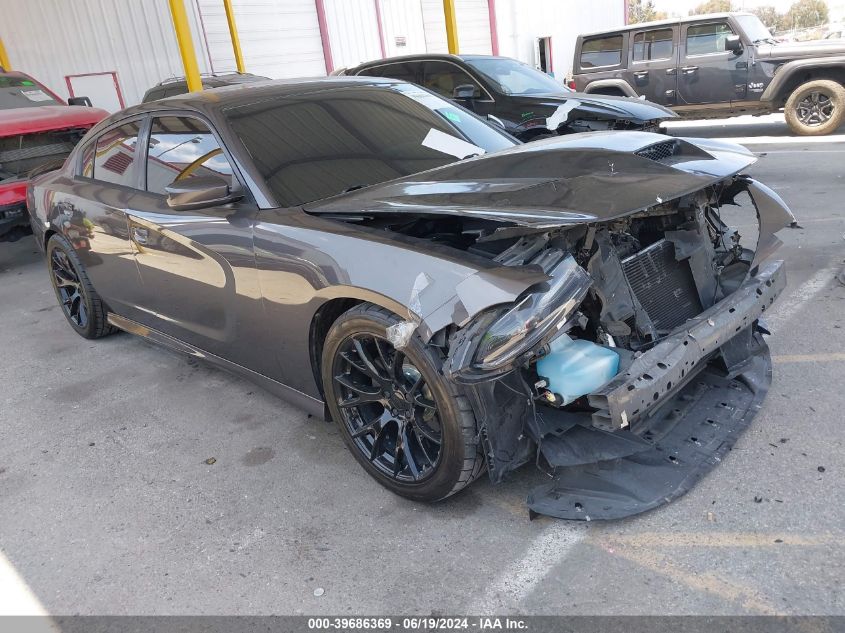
(717, 65)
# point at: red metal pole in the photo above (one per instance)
(324, 35)
(494, 28)
(377, 3)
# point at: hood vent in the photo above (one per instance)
(660, 152)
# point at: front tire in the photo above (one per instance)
(409, 428)
(816, 108)
(82, 306)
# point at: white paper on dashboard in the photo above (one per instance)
(448, 144)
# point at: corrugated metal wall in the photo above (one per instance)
(473, 26)
(279, 38)
(353, 31)
(50, 39)
(403, 27)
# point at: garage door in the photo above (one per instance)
(279, 38)
(473, 19)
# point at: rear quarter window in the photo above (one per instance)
(598, 52)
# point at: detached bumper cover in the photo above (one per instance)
(657, 374)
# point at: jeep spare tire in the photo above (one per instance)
(816, 108)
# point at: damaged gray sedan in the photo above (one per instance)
(454, 300)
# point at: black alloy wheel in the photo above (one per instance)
(816, 107)
(412, 430)
(69, 289)
(387, 407)
(82, 306)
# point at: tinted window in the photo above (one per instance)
(115, 159)
(515, 78)
(651, 45)
(21, 92)
(443, 78)
(601, 51)
(405, 71)
(704, 39)
(182, 148)
(88, 160)
(313, 147)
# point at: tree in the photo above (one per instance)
(712, 6)
(805, 14)
(768, 15)
(643, 11)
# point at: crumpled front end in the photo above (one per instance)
(631, 372)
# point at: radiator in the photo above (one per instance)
(664, 286)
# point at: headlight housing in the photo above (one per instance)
(498, 340)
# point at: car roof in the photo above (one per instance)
(214, 100)
(213, 80)
(671, 21)
(418, 57)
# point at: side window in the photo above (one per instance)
(706, 39)
(87, 165)
(404, 72)
(653, 45)
(601, 51)
(114, 159)
(181, 148)
(443, 78)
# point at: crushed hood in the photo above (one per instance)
(637, 111)
(574, 179)
(46, 118)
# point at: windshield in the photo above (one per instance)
(20, 92)
(515, 78)
(319, 145)
(754, 29)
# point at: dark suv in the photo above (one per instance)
(528, 103)
(179, 85)
(717, 65)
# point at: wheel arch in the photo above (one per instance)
(793, 74)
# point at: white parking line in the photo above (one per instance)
(788, 307)
(520, 578)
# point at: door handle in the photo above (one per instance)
(641, 73)
(688, 70)
(671, 71)
(140, 235)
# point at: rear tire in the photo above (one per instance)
(82, 306)
(816, 108)
(373, 390)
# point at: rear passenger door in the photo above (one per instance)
(708, 72)
(652, 66)
(90, 213)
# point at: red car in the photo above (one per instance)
(37, 132)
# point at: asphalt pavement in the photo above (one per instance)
(137, 481)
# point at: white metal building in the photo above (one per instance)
(102, 48)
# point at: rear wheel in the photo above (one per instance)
(406, 425)
(816, 108)
(82, 306)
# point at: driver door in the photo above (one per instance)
(708, 71)
(198, 266)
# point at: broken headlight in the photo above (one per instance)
(535, 318)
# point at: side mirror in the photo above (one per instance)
(200, 192)
(464, 91)
(733, 44)
(496, 121)
(79, 101)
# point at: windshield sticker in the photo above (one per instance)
(27, 83)
(561, 115)
(452, 116)
(36, 95)
(448, 144)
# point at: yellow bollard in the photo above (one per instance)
(4, 58)
(186, 45)
(451, 26)
(233, 33)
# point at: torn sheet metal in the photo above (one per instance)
(690, 434)
(773, 215)
(561, 114)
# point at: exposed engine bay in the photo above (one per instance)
(26, 155)
(636, 365)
